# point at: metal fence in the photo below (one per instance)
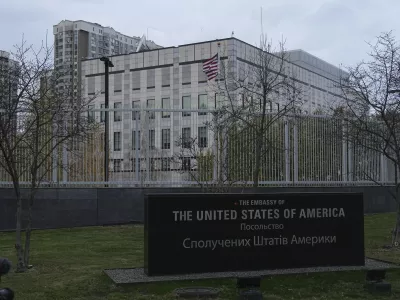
(176, 147)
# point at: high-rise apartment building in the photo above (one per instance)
(76, 40)
(8, 97)
(8, 80)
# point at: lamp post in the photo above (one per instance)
(107, 64)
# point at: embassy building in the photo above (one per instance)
(171, 81)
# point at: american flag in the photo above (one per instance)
(210, 67)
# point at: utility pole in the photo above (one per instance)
(107, 64)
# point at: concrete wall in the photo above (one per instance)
(57, 208)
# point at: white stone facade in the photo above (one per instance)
(176, 72)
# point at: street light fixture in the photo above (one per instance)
(393, 91)
(107, 65)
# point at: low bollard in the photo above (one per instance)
(250, 295)
(6, 294)
(375, 282)
(197, 292)
(5, 267)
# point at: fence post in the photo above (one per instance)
(64, 159)
(344, 152)
(137, 137)
(295, 153)
(287, 156)
(147, 128)
(224, 158)
(350, 161)
(55, 157)
(215, 151)
(384, 169)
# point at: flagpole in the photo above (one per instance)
(216, 132)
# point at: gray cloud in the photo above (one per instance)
(334, 30)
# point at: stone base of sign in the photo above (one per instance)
(380, 287)
(250, 295)
(196, 292)
(137, 275)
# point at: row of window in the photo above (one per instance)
(165, 164)
(186, 141)
(202, 103)
(165, 104)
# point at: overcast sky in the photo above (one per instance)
(336, 31)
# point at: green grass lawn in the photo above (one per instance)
(68, 264)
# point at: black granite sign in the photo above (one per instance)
(198, 233)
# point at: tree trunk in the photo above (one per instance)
(28, 230)
(21, 267)
(395, 233)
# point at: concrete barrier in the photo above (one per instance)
(78, 207)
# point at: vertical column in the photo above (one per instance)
(137, 138)
(224, 155)
(147, 133)
(344, 152)
(64, 158)
(384, 169)
(350, 161)
(215, 151)
(295, 153)
(287, 156)
(54, 156)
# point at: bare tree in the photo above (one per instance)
(252, 102)
(201, 161)
(372, 110)
(36, 121)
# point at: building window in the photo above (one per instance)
(165, 139)
(117, 141)
(186, 73)
(103, 113)
(186, 105)
(117, 114)
(186, 163)
(165, 164)
(219, 100)
(165, 104)
(241, 100)
(91, 114)
(151, 79)
(117, 165)
(186, 137)
(136, 140)
(202, 137)
(202, 104)
(152, 164)
(133, 160)
(152, 139)
(135, 114)
(151, 104)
